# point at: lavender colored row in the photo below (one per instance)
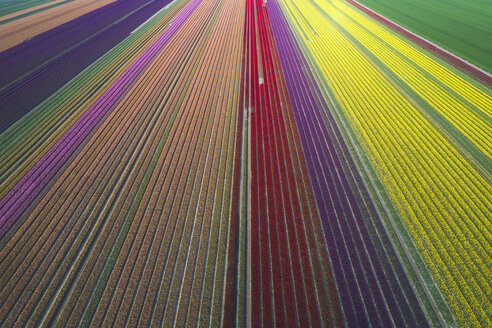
(93, 35)
(15, 202)
(368, 276)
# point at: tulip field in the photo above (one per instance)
(243, 163)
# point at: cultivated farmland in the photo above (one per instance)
(240, 163)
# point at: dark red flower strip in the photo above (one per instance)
(289, 195)
(284, 307)
(261, 302)
(283, 290)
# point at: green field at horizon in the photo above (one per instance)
(461, 27)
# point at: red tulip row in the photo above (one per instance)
(290, 276)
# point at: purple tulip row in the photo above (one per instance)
(372, 286)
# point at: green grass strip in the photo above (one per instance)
(243, 208)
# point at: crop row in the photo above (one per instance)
(290, 274)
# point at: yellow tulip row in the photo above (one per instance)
(479, 98)
(441, 198)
